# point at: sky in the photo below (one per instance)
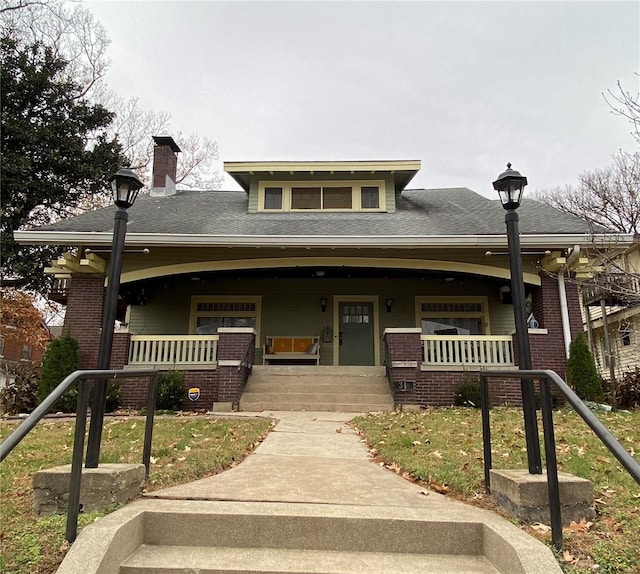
(464, 87)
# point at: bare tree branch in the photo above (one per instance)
(627, 105)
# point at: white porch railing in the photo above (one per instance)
(474, 350)
(173, 350)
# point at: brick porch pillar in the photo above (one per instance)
(547, 343)
(83, 317)
(233, 367)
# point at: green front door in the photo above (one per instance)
(356, 333)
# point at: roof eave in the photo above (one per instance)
(332, 241)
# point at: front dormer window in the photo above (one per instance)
(273, 198)
(370, 197)
(321, 196)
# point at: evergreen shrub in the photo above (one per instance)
(582, 374)
(60, 360)
(171, 392)
(468, 391)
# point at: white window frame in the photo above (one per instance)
(197, 299)
(355, 185)
(483, 314)
(26, 353)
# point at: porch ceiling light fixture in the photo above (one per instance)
(323, 304)
(125, 186)
(389, 305)
(510, 185)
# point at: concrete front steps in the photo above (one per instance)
(316, 388)
(174, 537)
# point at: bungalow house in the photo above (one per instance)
(323, 264)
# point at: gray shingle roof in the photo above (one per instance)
(453, 211)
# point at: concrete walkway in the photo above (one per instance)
(310, 486)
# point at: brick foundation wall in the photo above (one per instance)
(83, 317)
(437, 388)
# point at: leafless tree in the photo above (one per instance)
(608, 197)
(624, 103)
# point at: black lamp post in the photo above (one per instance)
(510, 185)
(125, 186)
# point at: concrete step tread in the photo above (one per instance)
(320, 407)
(313, 380)
(329, 390)
(356, 398)
(180, 559)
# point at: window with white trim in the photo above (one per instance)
(452, 315)
(321, 196)
(209, 313)
(26, 353)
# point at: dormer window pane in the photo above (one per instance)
(306, 198)
(273, 198)
(336, 197)
(370, 197)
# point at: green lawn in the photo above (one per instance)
(442, 448)
(184, 449)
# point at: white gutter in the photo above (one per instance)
(538, 241)
(564, 309)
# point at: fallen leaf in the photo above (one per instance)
(339, 430)
(541, 527)
(153, 460)
(439, 488)
(435, 454)
(568, 557)
(425, 492)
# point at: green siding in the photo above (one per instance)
(292, 306)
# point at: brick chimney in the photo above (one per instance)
(165, 165)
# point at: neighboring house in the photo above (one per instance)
(612, 314)
(15, 352)
(320, 263)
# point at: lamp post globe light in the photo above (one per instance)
(510, 186)
(125, 186)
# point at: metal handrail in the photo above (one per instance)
(82, 377)
(601, 431)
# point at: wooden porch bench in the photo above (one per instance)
(284, 349)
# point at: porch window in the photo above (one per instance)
(448, 316)
(208, 314)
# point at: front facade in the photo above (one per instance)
(320, 263)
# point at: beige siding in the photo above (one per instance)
(627, 357)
